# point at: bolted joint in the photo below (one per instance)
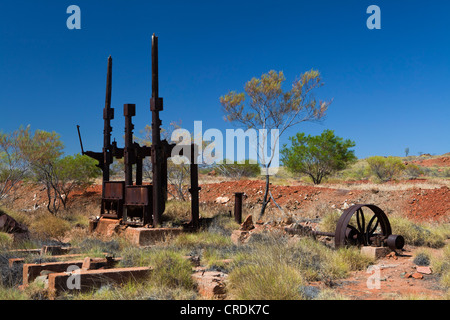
(129, 110)
(156, 104)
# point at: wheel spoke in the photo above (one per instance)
(372, 231)
(360, 221)
(369, 231)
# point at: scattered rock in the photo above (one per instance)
(247, 225)
(417, 275)
(86, 263)
(240, 237)
(424, 270)
(211, 284)
(222, 200)
(393, 255)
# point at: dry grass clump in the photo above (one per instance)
(5, 239)
(441, 265)
(48, 226)
(420, 234)
(170, 277)
(274, 268)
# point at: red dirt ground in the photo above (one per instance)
(415, 199)
(438, 162)
(415, 203)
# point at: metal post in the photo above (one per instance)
(129, 110)
(194, 190)
(156, 105)
(139, 163)
(108, 115)
(238, 207)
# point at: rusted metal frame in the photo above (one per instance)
(114, 194)
(134, 154)
(347, 234)
(138, 197)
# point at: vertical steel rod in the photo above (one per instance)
(108, 115)
(194, 190)
(238, 207)
(129, 110)
(155, 107)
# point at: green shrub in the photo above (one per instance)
(422, 258)
(412, 171)
(318, 156)
(385, 169)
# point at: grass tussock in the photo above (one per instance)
(420, 234)
(441, 265)
(48, 226)
(5, 239)
(170, 277)
(278, 269)
(7, 293)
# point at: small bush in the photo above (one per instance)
(422, 258)
(412, 171)
(49, 226)
(385, 169)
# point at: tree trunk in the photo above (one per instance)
(266, 199)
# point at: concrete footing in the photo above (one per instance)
(375, 252)
(139, 236)
(149, 236)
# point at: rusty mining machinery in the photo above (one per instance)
(356, 228)
(138, 204)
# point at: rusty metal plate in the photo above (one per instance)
(138, 195)
(114, 190)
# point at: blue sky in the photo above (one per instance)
(390, 87)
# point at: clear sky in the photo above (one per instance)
(390, 87)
